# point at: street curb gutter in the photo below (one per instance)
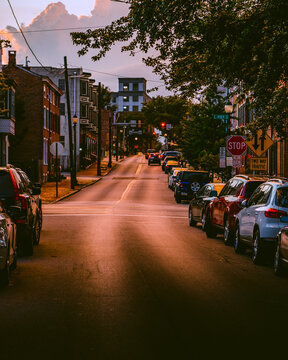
(85, 186)
(75, 191)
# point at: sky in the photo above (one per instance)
(50, 47)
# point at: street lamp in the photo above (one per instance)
(75, 121)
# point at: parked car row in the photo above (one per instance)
(251, 212)
(20, 218)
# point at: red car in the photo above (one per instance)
(220, 216)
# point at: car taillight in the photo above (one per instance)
(274, 213)
(23, 202)
(15, 189)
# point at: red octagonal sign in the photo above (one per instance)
(236, 145)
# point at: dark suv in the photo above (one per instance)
(17, 190)
(188, 183)
(220, 216)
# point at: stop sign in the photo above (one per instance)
(236, 145)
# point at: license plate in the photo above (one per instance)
(182, 193)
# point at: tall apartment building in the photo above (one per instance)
(131, 95)
(83, 104)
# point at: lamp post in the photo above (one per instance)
(75, 121)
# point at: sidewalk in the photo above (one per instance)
(84, 177)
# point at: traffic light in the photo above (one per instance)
(163, 125)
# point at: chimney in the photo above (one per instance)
(12, 58)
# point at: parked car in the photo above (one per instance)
(154, 158)
(200, 201)
(172, 176)
(220, 215)
(259, 221)
(188, 182)
(281, 253)
(170, 153)
(168, 158)
(170, 164)
(16, 192)
(148, 152)
(8, 246)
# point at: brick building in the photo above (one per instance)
(38, 120)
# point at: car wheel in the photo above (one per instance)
(257, 256)
(278, 265)
(238, 245)
(203, 220)
(4, 274)
(191, 221)
(28, 245)
(209, 228)
(178, 199)
(40, 217)
(227, 233)
(37, 231)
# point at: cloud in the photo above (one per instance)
(51, 46)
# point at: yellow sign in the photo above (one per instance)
(259, 164)
(259, 143)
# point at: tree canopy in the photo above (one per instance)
(242, 43)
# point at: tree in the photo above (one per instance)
(202, 135)
(4, 82)
(242, 43)
(170, 110)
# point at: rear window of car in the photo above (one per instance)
(250, 187)
(282, 197)
(199, 177)
(6, 186)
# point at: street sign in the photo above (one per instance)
(229, 161)
(236, 145)
(221, 116)
(60, 149)
(260, 143)
(222, 162)
(259, 164)
(222, 159)
(237, 163)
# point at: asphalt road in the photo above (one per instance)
(119, 274)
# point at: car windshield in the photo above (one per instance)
(250, 187)
(199, 177)
(282, 197)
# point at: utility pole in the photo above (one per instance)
(99, 130)
(110, 140)
(72, 170)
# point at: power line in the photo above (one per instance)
(25, 38)
(116, 75)
(50, 30)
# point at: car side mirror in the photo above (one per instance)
(213, 193)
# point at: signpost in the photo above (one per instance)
(260, 143)
(236, 145)
(56, 148)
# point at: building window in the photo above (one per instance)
(135, 98)
(45, 152)
(61, 84)
(62, 140)
(83, 88)
(135, 108)
(125, 98)
(83, 111)
(45, 118)
(135, 86)
(126, 108)
(62, 108)
(44, 91)
(126, 87)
